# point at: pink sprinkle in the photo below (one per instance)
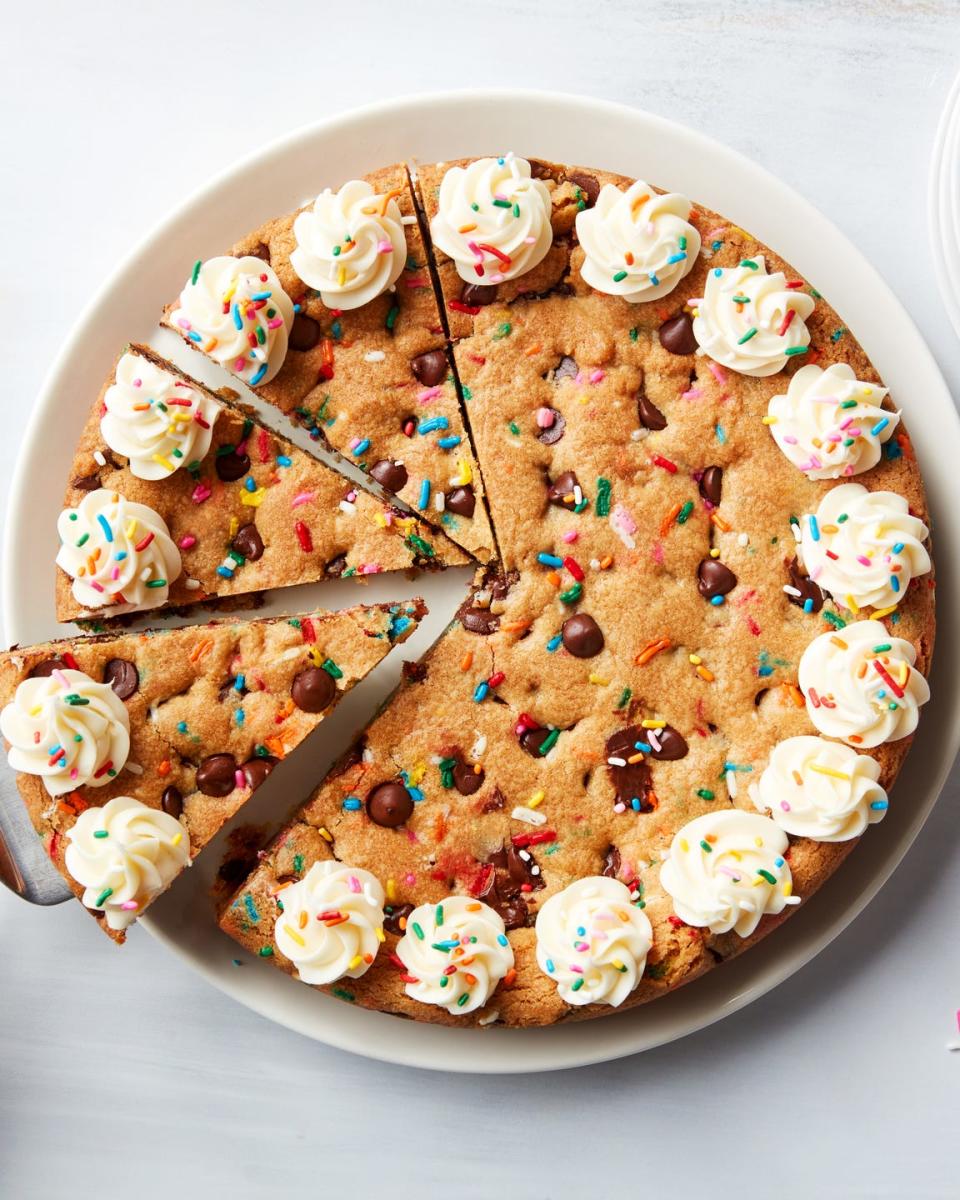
(570, 536)
(409, 880)
(275, 323)
(475, 249)
(855, 432)
(354, 884)
(692, 394)
(496, 278)
(730, 872)
(130, 905)
(61, 678)
(351, 496)
(658, 553)
(115, 574)
(528, 241)
(136, 383)
(301, 499)
(239, 779)
(500, 196)
(715, 233)
(863, 560)
(385, 246)
(545, 418)
(354, 443)
(96, 586)
(815, 573)
(654, 739)
(624, 520)
(597, 376)
(579, 970)
(785, 806)
(74, 772)
(184, 323)
(581, 947)
(848, 421)
(619, 807)
(717, 372)
(789, 439)
(429, 394)
(187, 542)
(240, 364)
(201, 492)
(370, 569)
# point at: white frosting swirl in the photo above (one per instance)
(750, 321)
(637, 244)
(829, 423)
(821, 790)
(117, 553)
(156, 419)
(235, 310)
(863, 547)
(593, 941)
(124, 855)
(350, 246)
(68, 729)
(860, 685)
(332, 922)
(493, 219)
(456, 953)
(726, 870)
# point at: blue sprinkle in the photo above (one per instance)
(424, 494)
(194, 336)
(550, 967)
(549, 560)
(554, 643)
(250, 483)
(481, 691)
(895, 583)
(655, 282)
(643, 747)
(763, 672)
(448, 443)
(721, 436)
(239, 683)
(675, 258)
(880, 426)
(432, 424)
(241, 716)
(898, 548)
(283, 461)
(718, 271)
(716, 601)
(879, 805)
(255, 379)
(635, 804)
(502, 940)
(105, 525)
(236, 316)
(361, 447)
(251, 908)
(181, 727)
(778, 862)
(224, 572)
(120, 556)
(352, 804)
(808, 605)
(814, 527)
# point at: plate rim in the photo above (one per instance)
(570, 1045)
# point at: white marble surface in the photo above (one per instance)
(122, 1072)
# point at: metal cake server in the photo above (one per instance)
(24, 865)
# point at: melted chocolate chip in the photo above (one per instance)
(393, 914)
(582, 636)
(122, 676)
(477, 619)
(414, 672)
(632, 781)
(466, 780)
(477, 295)
(714, 579)
(552, 434)
(304, 333)
(389, 804)
(313, 690)
(650, 416)
(676, 335)
(46, 668)
(248, 542)
(216, 775)
(805, 586)
(389, 474)
(256, 769)
(666, 744)
(172, 802)
(514, 872)
(462, 501)
(711, 484)
(611, 863)
(85, 483)
(336, 566)
(588, 184)
(231, 466)
(561, 490)
(431, 368)
(532, 740)
(494, 802)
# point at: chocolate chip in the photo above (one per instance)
(431, 368)
(46, 668)
(632, 781)
(389, 804)
(805, 586)
(248, 542)
(672, 744)
(85, 483)
(414, 672)
(582, 636)
(532, 740)
(122, 676)
(393, 914)
(714, 579)
(216, 775)
(650, 416)
(611, 863)
(494, 802)
(588, 184)
(304, 332)
(256, 769)
(172, 802)
(466, 780)
(313, 690)
(478, 294)
(479, 619)
(262, 251)
(562, 490)
(389, 474)
(676, 335)
(461, 501)
(231, 465)
(711, 484)
(336, 566)
(553, 432)
(566, 368)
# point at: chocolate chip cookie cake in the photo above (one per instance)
(693, 656)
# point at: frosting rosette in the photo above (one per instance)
(235, 310)
(750, 321)
(68, 729)
(117, 553)
(829, 423)
(350, 245)
(860, 685)
(593, 941)
(493, 219)
(124, 855)
(637, 244)
(726, 870)
(455, 953)
(863, 547)
(155, 419)
(822, 790)
(331, 926)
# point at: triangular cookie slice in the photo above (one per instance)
(132, 751)
(329, 313)
(176, 496)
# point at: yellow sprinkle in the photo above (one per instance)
(234, 526)
(787, 888)
(884, 612)
(714, 553)
(36, 711)
(391, 890)
(342, 276)
(253, 499)
(464, 473)
(617, 963)
(418, 772)
(653, 724)
(131, 527)
(176, 839)
(684, 845)
(325, 833)
(380, 935)
(380, 519)
(598, 679)
(164, 462)
(303, 919)
(288, 928)
(314, 655)
(770, 420)
(696, 659)
(829, 771)
(852, 605)
(536, 799)
(355, 962)
(758, 841)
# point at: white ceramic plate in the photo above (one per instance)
(943, 204)
(563, 128)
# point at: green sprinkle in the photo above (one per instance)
(705, 846)
(298, 864)
(461, 1000)
(514, 428)
(619, 276)
(502, 204)
(748, 262)
(837, 334)
(392, 316)
(265, 952)
(417, 543)
(516, 209)
(577, 984)
(767, 876)
(503, 330)
(100, 833)
(684, 513)
(418, 931)
(634, 334)
(155, 583)
(791, 350)
(438, 915)
(705, 793)
(747, 336)
(572, 594)
(603, 497)
(549, 742)
(624, 697)
(343, 994)
(883, 648)
(75, 700)
(103, 897)
(195, 275)
(331, 668)
(82, 539)
(835, 621)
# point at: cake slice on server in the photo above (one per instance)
(177, 496)
(132, 751)
(329, 313)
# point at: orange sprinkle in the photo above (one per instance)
(303, 919)
(651, 649)
(532, 350)
(637, 203)
(391, 195)
(669, 519)
(201, 649)
(606, 561)
(721, 524)
(515, 626)
(554, 578)
(706, 674)
(854, 737)
(164, 767)
(628, 259)
(467, 228)
(467, 661)
(510, 976)
(474, 907)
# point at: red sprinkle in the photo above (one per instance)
(470, 309)
(263, 445)
(307, 630)
(303, 537)
(70, 661)
(659, 461)
(525, 722)
(496, 679)
(574, 568)
(533, 839)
